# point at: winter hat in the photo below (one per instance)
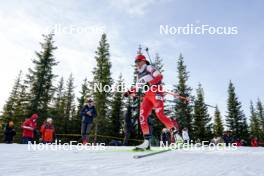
(34, 116)
(89, 100)
(49, 120)
(141, 57)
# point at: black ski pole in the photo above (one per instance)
(147, 51)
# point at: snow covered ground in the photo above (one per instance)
(17, 160)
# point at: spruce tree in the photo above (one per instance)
(255, 128)
(69, 103)
(245, 129)
(58, 109)
(218, 127)
(131, 123)
(84, 94)
(117, 109)
(11, 103)
(158, 63)
(235, 118)
(201, 123)
(16, 106)
(59, 94)
(183, 108)
(260, 114)
(157, 126)
(135, 102)
(21, 110)
(102, 78)
(41, 77)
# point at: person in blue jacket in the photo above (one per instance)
(88, 113)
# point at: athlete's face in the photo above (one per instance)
(11, 124)
(139, 64)
(89, 103)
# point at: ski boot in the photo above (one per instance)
(145, 145)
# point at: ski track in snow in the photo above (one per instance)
(17, 160)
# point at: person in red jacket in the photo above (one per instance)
(150, 88)
(254, 142)
(47, 131)
(28, 127)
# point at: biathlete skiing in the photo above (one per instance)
(150, 89)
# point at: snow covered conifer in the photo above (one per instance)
(201, 123)
(11, 103)
(69, 103)
(183, 108)
(102, 77)
(235, 118)
(41, 78)
(255, 128)
(260, 114)
(218, 124)
(117, 110)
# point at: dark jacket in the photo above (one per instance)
(9, 134)
(85, 117)
(227, 139)
(165, 137)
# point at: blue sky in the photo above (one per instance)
(212, 60)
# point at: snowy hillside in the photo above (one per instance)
(17, 160)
